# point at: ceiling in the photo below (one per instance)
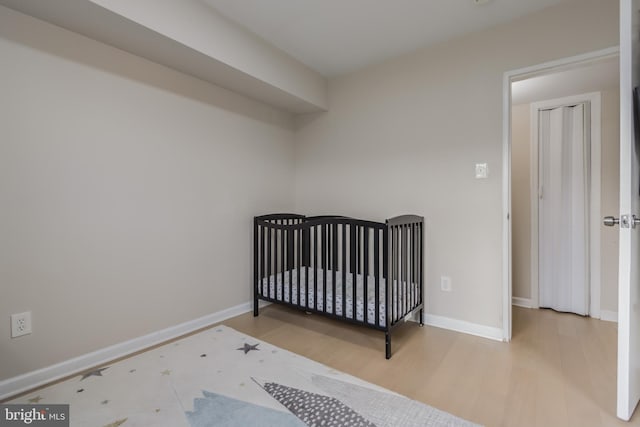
(334, 37)
(604, 74)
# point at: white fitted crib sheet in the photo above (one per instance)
(406, 292)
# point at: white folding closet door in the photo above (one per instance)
(563, 209)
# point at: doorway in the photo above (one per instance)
(521, 88)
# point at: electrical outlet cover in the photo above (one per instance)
(20, 324)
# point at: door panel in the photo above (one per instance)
(629, 280)
(563, 209)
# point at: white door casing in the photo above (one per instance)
(508, 78)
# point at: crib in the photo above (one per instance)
(362, 272)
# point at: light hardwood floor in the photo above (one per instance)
(559, 369)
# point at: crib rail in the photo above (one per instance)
(316, 263)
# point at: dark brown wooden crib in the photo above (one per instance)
(362, 272)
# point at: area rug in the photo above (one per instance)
(221, 377)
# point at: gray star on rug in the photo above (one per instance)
(35, 399)
(248, 347)
(94, 373)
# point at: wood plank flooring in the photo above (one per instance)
(559, 369)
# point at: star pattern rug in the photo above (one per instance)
(220, 377)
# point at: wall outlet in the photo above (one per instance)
(445, 284)
(20, 324)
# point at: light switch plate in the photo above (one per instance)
(482, 171)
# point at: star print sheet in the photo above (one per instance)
(220, 377)
(274, 288)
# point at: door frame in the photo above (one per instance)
(508, 78)
(594, 147)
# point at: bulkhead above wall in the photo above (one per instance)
(192, 38)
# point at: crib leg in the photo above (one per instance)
(255, 307)
(387, 342)
(421, 318)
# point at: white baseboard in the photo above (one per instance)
(609, 316)
(24, 382)
(522, 302)
(464, 326)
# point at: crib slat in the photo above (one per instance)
(320, 255)
(299, 264)
(323, 233)
(401, 267)
(365, 274)
(403, 271)
(398, 271)
(334, 265)
(353, 274)
(414, 260)
(282, 269)
(390, 278)
(416, 263)
(405, 267)
(354, 270)
(409, 297)
(386, 275)
(307, 266)
(315, 268)
(269, 262)
(376, 273)
(290, 260)
(388, 266)
(276, 259)
(311, 268)
(358, 251)
(344, 269)
(354, 290)
(396, 293)
(321, 265)
(262, 266)
(394, 302)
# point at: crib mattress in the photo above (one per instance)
(403, 293)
